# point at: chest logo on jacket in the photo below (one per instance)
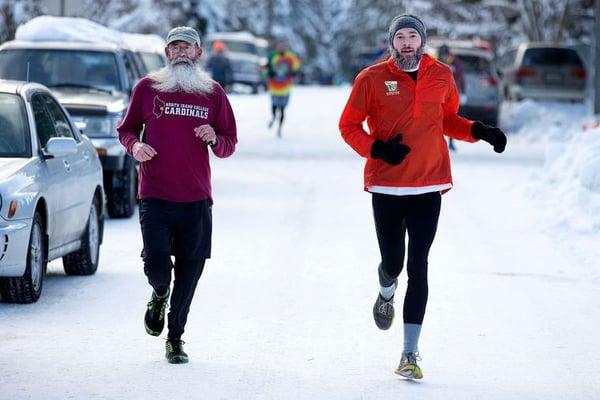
(178, 109)
(392, 87)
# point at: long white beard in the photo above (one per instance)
(186, 77)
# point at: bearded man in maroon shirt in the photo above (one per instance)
(183, 115)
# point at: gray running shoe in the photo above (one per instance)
(383, 312)
(408, 367)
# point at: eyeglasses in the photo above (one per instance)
(175, 49)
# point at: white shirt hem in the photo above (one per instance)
(404, 191)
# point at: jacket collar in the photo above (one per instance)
(426, 62)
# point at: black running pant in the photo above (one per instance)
(281, 109)
(394, 216)
(183, 230)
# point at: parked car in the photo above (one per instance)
(543, 71)
(149, 49)
(482, 97)
(51, 194)
(245, 52)
(93, 81)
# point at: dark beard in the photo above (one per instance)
(407, 63)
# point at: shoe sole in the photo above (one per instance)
(409, 372)
(178, 360)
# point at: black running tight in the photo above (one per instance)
(394, 217)
(281, 113)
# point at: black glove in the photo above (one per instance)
(392, 151)
(490, 134)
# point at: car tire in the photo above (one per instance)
(121, 191)
(28, 288)
(85, 260)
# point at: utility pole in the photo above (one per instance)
(271, 18)
(596, 66)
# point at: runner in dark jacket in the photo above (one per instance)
(219, 65)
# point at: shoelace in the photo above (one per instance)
(412, 358)
(159, 304)
(175, 346)
(385, 308)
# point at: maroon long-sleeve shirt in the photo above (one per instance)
(180, 170)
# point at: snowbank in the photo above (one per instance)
(568, 188)
(572, 172)
(551, 120)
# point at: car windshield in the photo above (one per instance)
(240, 47)
(14, 135)
(555, 57)
(152, 61)
(67, 68)
(474, 64)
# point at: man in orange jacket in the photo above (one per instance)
(410, 101)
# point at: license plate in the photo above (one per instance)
(554, 77)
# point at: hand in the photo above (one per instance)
(490, 134)
(392, 152)
(206, 133)
(142, 151)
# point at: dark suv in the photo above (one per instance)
(93, 82)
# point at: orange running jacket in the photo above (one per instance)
(423, 112)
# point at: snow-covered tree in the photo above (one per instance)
(14, 13)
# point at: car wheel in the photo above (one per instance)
(122, 190)
(28, 288)
(85, 260)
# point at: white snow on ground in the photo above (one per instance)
(283, 309)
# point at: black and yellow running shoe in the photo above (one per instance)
(154, 320)
(175, 353)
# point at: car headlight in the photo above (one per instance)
(101, 125)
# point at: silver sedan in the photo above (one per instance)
(51, 193)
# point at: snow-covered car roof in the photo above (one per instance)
(143, 42)
(48, 28)
(240, 36)
(29, 44)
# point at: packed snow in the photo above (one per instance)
(283, 309)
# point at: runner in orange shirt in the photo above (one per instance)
(410, 101)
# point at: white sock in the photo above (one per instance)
(411, 338)
(387, 292)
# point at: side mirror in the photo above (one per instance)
(58, 147)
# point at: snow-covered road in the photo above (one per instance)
(283, 310)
